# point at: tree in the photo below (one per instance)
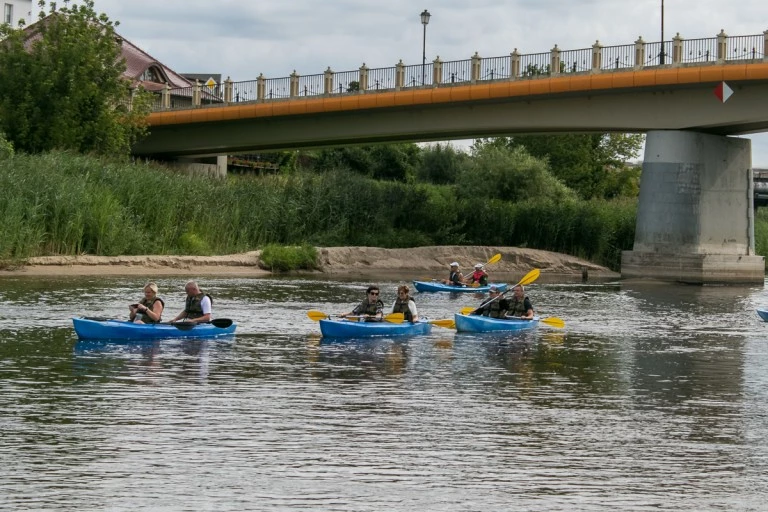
(584, 162)
(62, 85)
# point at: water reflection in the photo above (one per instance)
(652, 397)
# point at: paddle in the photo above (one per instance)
(221, 323)
(550, 320)
(395, 318)
(494, 259)
(448, 323)
(526, 280)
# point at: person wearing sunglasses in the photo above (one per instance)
(371, 309)
(495, 307)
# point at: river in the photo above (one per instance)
(653, 397)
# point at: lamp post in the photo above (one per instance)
(424, 21)
(661, 53)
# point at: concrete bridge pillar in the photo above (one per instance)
(695, 218)
(639, 53)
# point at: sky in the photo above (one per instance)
(242, 38)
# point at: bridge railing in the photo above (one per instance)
(515, 66)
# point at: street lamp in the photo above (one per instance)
(661, 53)
(424, 21)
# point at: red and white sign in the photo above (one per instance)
(723, 92)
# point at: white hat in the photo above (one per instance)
(454, 264)
(479, 265)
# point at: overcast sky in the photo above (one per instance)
(242, 38)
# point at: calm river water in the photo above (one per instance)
(654, 397)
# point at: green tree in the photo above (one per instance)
(440, 164)
(587, 163)
(62, 85)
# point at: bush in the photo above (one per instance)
(284, 258)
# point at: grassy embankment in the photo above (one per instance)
(63, 204)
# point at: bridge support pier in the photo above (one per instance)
(212, 167)
(695, 217)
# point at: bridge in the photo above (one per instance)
(695, 216)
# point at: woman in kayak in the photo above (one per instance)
(479, 276)
(405, 304)
(149, 309)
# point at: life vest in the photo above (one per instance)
(149, 303)
(401, 306)
(517, 307)
(193, 306)
(479, 276)
(495, 309)
(455, 279)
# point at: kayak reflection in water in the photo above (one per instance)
(149, 309)
(371, 309)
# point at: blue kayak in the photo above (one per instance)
(763, 314)
(354, 329)
(95, 329)
(478, 323)
(437, 286)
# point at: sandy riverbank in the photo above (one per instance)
(334, 261)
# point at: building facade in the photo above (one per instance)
(15, 10)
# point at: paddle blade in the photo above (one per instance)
(494, 259)
(466, 311)
(448, 323)
(184, 326)
(316, 316)
(553, 321)
(476, 284)
(395, 318)
(221, 323)
(529, 277)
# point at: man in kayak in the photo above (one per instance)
(149, 309)
(479, 276)
(405, 304)
(197, 308)
(520, 305)
(495, 307)
(371, 309)
(455, 278)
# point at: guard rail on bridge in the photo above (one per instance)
(596, 59)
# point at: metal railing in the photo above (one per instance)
(677, 52)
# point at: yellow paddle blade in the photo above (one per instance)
(466, 311)
(494, 259)
(529, 277)
(316, 315)
(395, 318)
(475, 285)
(448, 323)
(553, 321)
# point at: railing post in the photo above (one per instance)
(597, 57)
(196, 94)
(294, 84)
(554, 61)
(328, 82)
(166, 96)
(363, 85)
(399, 75)
(677, 50)
(765, 46)
(514, 65)
(475, 68)
(261, 87)
(228, 90)
(437, 71)
(722, 46)
(639, 53)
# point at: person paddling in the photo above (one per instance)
(149, 309)
(520, 305)
(495, 307)
(197, 308)
(405, 304)
(371, 308)
(479, 276)
(455, 278)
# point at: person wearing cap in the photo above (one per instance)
(455, 278)
(520, 305)
(479, 276)
(495, 307)
(149, 309)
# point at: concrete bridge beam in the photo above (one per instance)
(695, 218)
